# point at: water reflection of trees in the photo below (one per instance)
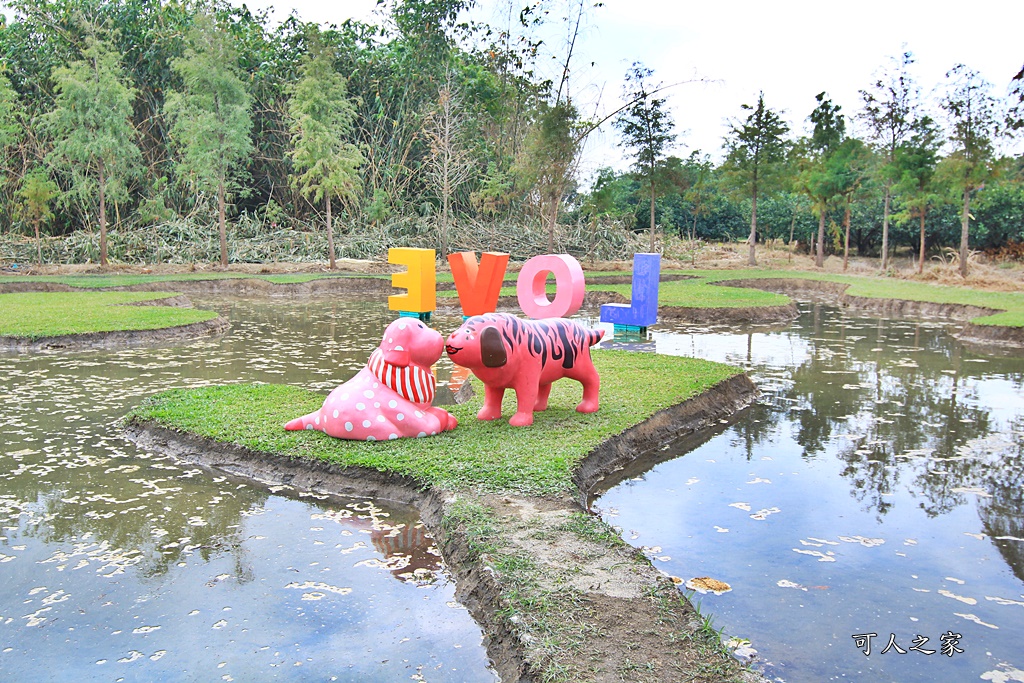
(76, 494)
(205, 517)
(757, 428)
(906, 398)
(1001, 515)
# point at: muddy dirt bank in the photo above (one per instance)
(992, 335)
(626, 620)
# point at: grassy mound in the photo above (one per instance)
(34, 315)
(1011, 303)
(489, 456)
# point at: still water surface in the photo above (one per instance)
(118, 565)
(877, 488)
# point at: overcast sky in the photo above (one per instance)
(790, 49)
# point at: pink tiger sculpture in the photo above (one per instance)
(527, 356)
(390, 397)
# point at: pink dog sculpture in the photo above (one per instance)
(390, 397)
(526, 356)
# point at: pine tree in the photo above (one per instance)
(916, 161)
(36, 193)
(816, 178)
(210, 117)
(755, 150)
(94, 142)
(889, 108)
(848, 167)
(973, 126)
(646, 127)
(322, 119)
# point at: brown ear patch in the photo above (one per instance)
(492, 350)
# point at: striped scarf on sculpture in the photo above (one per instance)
(412, 382)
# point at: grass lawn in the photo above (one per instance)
(703, 291)
(114, 280)
(490, 456)
(49, 314)
(1012, 303)
(699, 292)
(685, 293)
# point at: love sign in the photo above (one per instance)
(479, 285)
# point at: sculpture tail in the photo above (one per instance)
(304, 422)
(594, 336)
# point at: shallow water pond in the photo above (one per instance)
(118, 564)
(872, 499)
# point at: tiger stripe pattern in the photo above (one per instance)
(557, 339)
(506, 352)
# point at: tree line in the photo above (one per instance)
(187, 117)
(921, 174)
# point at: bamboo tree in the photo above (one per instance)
(10, 135)
(93, 139)
(210, 117)
(600, 203)
(449, 165)
(549, 160)
(322, 116)
(10, 128)
(755, 150)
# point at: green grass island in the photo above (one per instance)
(682, 288)
(47, 320)
(34, 309)
(560, 596)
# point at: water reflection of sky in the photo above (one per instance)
(120, 565)
(875, 488)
